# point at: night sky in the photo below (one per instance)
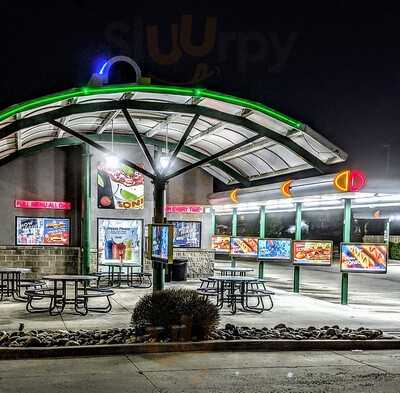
(333, 66)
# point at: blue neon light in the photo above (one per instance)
(103, 67)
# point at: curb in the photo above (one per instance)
(215, 345)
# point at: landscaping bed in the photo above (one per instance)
(62, 338)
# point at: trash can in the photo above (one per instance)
(168, 273)
(179, 269)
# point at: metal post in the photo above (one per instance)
(86, 199)
(158, 217)
(262, 235)
(344, 294)
(212, 228)
(296, 270)
(386, 236)
(234, 222)
(234, 231)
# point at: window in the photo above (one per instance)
(223, 224)
(280, 224)
(323, 225)
(248, 224)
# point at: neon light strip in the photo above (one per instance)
(124, 88)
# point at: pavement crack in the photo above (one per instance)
(141, 372)
(120, 304)
(361, 362)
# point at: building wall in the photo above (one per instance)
(134, 154)
(55, 174)
(205, 220)
(51, 174)
(41, 260)
(192, 187)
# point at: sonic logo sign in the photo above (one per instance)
(350, 180)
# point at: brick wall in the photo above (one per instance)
(42, 260)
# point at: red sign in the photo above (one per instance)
(194, 209)
(56, 205)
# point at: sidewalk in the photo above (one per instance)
(250, 372)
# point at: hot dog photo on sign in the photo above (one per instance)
(244, 246)
(363, 258)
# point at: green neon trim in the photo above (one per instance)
(125, 88)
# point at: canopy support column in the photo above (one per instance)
(234, 231)
(344, 295)
(263, 218)
(296, 269)
(158, 218)
(86, 199)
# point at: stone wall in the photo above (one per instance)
(200, 262)
(42, 260)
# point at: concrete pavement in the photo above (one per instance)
(374, 303)
(312, 372)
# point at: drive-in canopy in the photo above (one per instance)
(235, 140)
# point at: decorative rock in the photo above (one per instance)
(32, 342)
(72, 344)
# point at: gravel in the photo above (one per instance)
(60, 338)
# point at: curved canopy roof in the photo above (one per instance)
(234, 139)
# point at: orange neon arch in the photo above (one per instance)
(233, 195)
(285, 188)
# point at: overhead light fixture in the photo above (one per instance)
(112, 162)
(164, 161)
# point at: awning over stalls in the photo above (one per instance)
(235, 140)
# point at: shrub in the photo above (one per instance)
(394, 250)
(176, 307)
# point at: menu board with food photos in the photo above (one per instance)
(42, 231)
(363, 258)
(312, 252)
(220, 243)
(244, 246)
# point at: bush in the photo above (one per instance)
(176, 307)
(394, 250)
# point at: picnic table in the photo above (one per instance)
(10, 282)
(233, 290)
(59, 296)
(233, 271)
(115, 275)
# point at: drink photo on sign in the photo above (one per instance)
(273, 249)
(119, 188)
(120, 240)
